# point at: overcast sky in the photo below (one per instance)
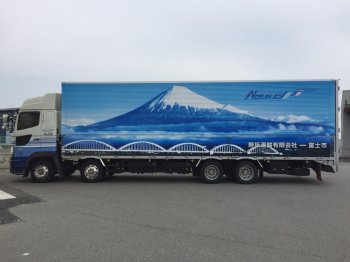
(43, 43)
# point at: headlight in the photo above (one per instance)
(11, 151)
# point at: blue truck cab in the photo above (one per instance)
(35, 137)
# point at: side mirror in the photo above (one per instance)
(5, 118)
(7, 123)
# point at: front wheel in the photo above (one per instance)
(245, 172)
(42, 171)
(211, 172)
(92, 171)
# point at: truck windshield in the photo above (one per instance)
(28, 120)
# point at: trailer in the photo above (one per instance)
(239, 129)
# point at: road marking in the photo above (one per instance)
(4, 195)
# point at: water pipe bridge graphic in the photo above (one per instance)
(149, 147)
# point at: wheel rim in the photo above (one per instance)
(41, 171)
(212, 172)
(246, 173)
(91, 172)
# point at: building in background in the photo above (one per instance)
(345, 125)
(5, 137)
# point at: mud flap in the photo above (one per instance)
(317, 168)
(261, 173)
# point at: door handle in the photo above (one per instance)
(36, 139)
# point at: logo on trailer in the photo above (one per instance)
(255, 95)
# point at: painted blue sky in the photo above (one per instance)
(84, 104)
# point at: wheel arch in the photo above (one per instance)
(81, 161)
(49, 156)
(256, 162)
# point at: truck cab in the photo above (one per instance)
(35, 138)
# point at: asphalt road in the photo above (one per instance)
(176, 218)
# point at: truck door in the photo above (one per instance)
(48, 129)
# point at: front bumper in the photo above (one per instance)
(18, 165)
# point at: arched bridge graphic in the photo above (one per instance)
(263, 150)
(227, 149)
(145, 146)
(88, 145)
(142, 146)
(188, 148)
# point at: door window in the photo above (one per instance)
(28, 120)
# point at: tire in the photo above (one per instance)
(92, 171)
(211, 172)
(245, 172)
(42, 171)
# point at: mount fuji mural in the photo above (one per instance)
(179, 109)
(291, 118)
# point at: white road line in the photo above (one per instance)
(4, 195)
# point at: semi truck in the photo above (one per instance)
(238, 129)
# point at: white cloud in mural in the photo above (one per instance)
(79, 121)
(290, 119)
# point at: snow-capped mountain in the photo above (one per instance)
(180, 96)
(234, 109)
(179, 109)
(177, 105)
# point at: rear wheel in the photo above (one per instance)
(92, 171)
(245, 172)
(211, 172)
(42, 171)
